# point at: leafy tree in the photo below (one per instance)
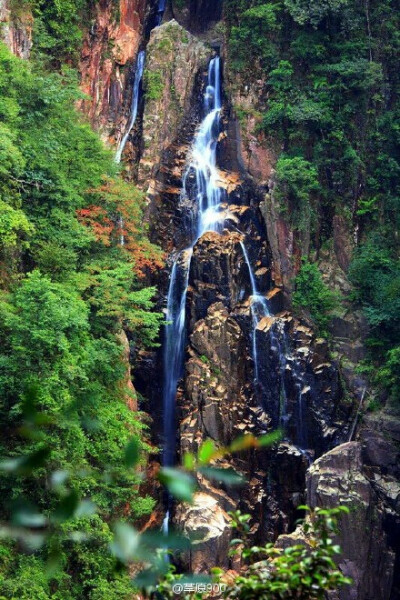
(66, 294)
(330, 95)
(296, 180)
(313, 11)
(375, 272)
(314, 296)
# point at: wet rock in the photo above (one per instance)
(215, 375)
(285, 490)
(215, 275)
(275, 300)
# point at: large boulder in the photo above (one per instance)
(338, 478)
(208, 525)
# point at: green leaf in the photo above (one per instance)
(172, 541)
(206, 451)
(228, 476)
(86, 508)
(179, 484)
(270, 439)
(243, 443)
(189, 461)
(28, 515)
(58, 478)
(126, 542)
(132, 453)
(24, 465)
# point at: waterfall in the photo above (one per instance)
(160, 11)
(259, 309)
(201, 179)
(203, 164)
(174, 347)
(135, 103)
(139, 70)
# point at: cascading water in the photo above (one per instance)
(199, 184)
(203, 164)
(174, 347)
(160, 11)
(139, 70)
(259, 309)
(135, 102)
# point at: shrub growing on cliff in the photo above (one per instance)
(375, 273)
(296, 180)
(314, 296)
(305, 571)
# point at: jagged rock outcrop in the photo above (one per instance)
(363, 476)
(258, 155)
(174, 60)
(215, 406)
(286, 255)
(214, 274)
(16, 28)
(175, 66)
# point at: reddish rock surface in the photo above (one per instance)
(109, 48)
(16, 29)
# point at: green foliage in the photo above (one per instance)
(58, 29)
(313, 295)
(257, 24)
(329, 92)
(302, 572)
(375, 272)
(296, 180)
(68, 289)
(306, 11)
(154, 85)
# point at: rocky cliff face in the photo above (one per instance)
(176, 62)
(360, 474)
(364, 477)
(218, 397)
(109, 51)
(16, 28)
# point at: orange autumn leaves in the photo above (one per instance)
(117, 213)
